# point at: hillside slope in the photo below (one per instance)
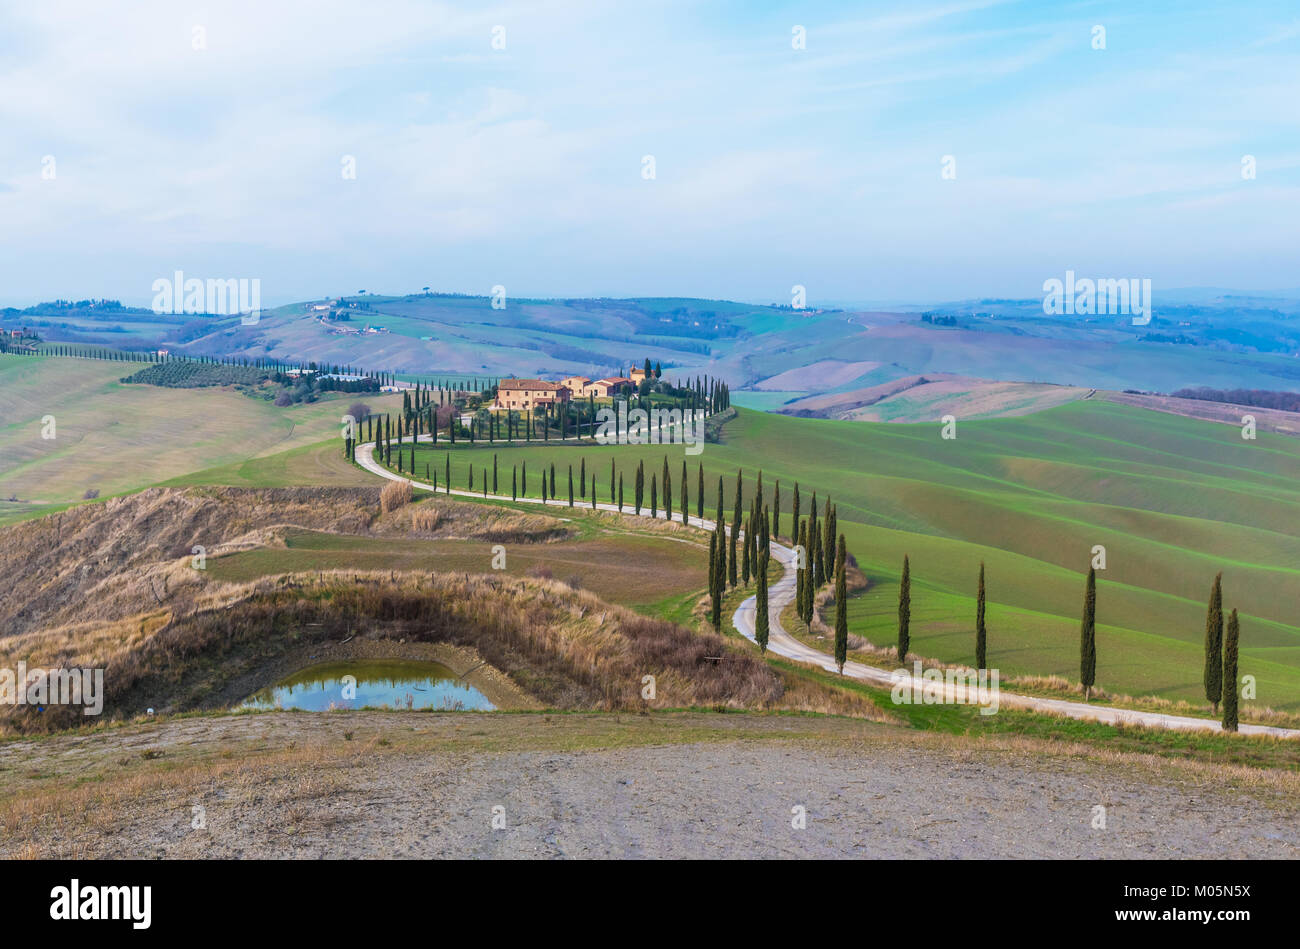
(112, 437)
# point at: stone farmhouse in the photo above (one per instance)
(526, 394)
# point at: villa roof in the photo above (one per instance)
(531, 384)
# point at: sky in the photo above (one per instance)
(507, 145)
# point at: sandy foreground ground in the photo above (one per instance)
(687, 785)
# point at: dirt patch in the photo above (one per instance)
(424, 785)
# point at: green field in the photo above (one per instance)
(113, 438)
(1173, 500)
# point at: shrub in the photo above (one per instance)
(425, 518)
(394, 495)
(90, 493)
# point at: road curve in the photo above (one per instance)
(783, 644)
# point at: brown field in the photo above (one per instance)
(816, 377)
(621, 568)
(1266, 420)
(933, 395)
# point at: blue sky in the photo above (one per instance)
(522, 166)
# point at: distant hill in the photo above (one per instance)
(1213, 338)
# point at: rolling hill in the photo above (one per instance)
(1173, 501)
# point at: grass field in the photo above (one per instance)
(1173, 500)
(647, 573)
(113, 438)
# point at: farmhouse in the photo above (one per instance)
(636, 375)
(526, 394)
(606, 388)
(577, 386)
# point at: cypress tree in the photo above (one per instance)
(794, 510)
(719, 519)
(776, 509)
(801, 573)
(582, 477)
(980, 639)
(744, 551)
(523, 479)
(732, 565)
(471, 477)
(494, 472)
(593, 490)
(819, 571)
(654, 495)
(713, 561)
(514, 483)
(1213, 675)
(667, 483)
(721, 531)
(1088, 636)
(570, 485)
(812, 545)
(761, 607)
(638, 488)
(826, 546)
(620, 494)
(699, 493)
(668, 493)
(832, 519)
(1230, 674)
(715, 590)
(841, 607)
(447, 477)
(686, 497)
(905, 611)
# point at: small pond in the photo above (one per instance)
(377, 683)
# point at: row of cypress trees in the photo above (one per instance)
(730, 564)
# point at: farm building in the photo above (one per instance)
(526, 394)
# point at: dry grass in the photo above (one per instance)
(107, 561)
(425, 518)
(451, 519)
(394, 495)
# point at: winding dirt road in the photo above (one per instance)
(783, 644)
